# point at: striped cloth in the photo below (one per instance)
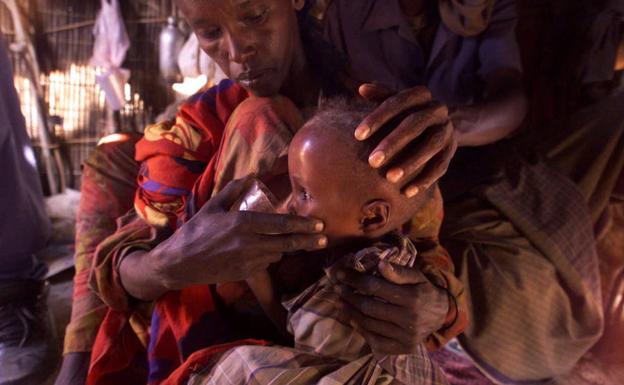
(523, 246)
(328, 350)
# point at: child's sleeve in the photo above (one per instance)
(434, 261)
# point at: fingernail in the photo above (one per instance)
(362, 132)
(395, 175)
(411, 191)
(322, 242)
(377, 158)
(319, 226)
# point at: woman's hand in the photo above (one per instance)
(219, 245)
(396, 312)
(418, 151)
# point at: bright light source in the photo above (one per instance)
(112, 138)
(29, 155)
(190, 85)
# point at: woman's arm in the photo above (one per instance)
(218, 245)
(498, 116)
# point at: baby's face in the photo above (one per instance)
(322, 191)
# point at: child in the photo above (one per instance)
(365, 221)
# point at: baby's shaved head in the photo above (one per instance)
(333, 126)
(324, 152)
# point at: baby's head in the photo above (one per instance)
(331, 179)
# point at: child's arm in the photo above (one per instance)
(263, 288)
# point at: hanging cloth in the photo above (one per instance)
(111, 38)
(109, 51)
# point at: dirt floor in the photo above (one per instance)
(59, 256)
(59, 297)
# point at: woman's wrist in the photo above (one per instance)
(142, 275)
(465, 120)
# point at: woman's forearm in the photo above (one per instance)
(498, 116)
(141, 277)
(218, 245)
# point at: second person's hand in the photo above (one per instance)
(418, 151)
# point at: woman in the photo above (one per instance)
(257, 44)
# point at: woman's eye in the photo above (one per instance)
(210, 34)
(304, 195)
(256, 18)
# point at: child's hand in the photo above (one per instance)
(396, 312)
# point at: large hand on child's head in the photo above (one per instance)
(418, 151)
(395, 312)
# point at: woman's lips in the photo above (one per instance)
(249, 79)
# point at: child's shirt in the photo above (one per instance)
(328, 350)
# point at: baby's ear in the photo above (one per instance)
(375, 216)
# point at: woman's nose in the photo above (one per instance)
(239, 48)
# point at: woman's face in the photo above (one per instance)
(255, 42)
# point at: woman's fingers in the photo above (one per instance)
(374, 92)
(401, 275)
(231, 193)
(429, 122)
(372, 307)
(418, 150)
(264, 223)
(378, 326)
(367, 284)
(288, 243)
(383, 345)
(428, 159)
(390, 109)
(434, 169)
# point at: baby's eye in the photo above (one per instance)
(304, 195)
